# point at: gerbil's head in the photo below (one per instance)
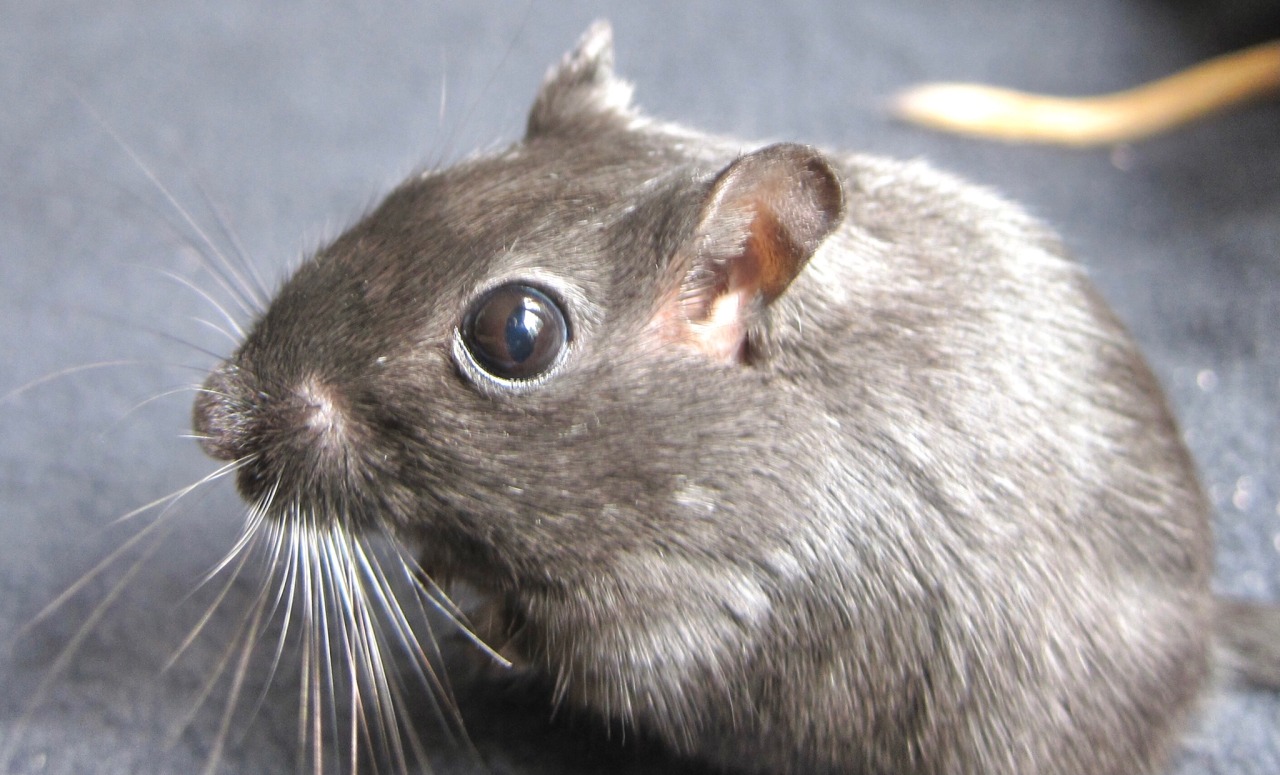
(532, 363)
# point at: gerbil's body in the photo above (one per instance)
(833, 464)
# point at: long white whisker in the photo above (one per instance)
(96, 570)
(245, 298)
(364, 633)
(242, 669)
(431, 592)
(146, 401)
(450, 142)
(330, 605)
(364, 652)
(248, 533)
(173, 497)
(245, 304)
(230, 337)
(422, 664)
(251, 281)
(158, 334)
(415, 743)
(357, 713)
(242, 553)
(403, 630)
(444, 86)
(159, 397)
(308, 712)
(427, 586)
(355, 656)
(219, 666)
(67, 372)
(73, 645)
(202, 293)
(286, 590)
(216, 393)
(322, 669)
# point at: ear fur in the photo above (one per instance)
(582, 87)
(765, 216)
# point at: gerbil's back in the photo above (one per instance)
(1015, 530)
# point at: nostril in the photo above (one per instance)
(214, 419)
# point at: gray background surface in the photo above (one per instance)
(285, 122)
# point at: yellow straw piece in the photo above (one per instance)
(1124, 116)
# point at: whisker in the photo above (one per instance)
(206, 252)
(322, 662)
(238, 295)
(449, 145)
(250, 532)
(159, 397)
(221, 664)
(230, 337)
(118, 421)
(252, 282)
(426, 585)
(422, 663)
(158, 333)
(365, 633)
(72, 647)
(444, 86)
(67, 372)
(286, 588)
(437, 689)
(340, 579)
(329, 606)
(362, 645)
(242, 669)
(441, 602)
(240, 552)
(90, 575)
(357, 713)
(202, 293)
(156, 530)
(174, 222)
(160, 523)
(311, 680)
(174, 497)
(217, 394)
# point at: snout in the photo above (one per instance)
(218, 416)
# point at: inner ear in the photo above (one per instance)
(764, 218)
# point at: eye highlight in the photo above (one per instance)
(515, 332)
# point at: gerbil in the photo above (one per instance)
(801, 462)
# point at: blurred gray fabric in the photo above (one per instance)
(273, 125)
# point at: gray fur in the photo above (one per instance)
(926, 512)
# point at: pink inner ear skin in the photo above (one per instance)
(718, 334)
(765, 216)
(755, 278)
(723, 336)
(718, 314)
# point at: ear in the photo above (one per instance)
(765, 216)
(582, 87)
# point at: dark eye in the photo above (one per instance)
(515, 332)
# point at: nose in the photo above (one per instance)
(218, 415)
